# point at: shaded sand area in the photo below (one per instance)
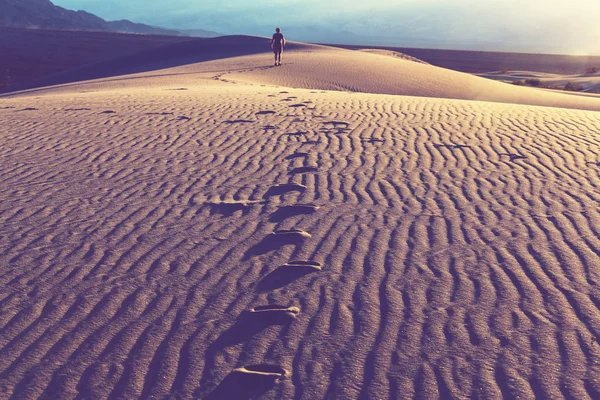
(197, 232)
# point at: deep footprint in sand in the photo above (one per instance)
(514, 157)
(274, 372)
(285, 188)
(285, 212)
(309, 265)
(303, 170)
(183, 118)
(108, 112)
(239, 121)
(297, 155)
(78, 109)
(337, 124)
(290, 234)
(275, 310)
(287, 274)
(452, 146)
(267, 112)
(299, 133)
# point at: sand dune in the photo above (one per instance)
(588, 83)
(242, 58)
(191, 233)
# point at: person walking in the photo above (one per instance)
(277, 44)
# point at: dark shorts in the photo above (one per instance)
(277, 49)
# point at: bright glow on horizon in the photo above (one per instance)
(511, 25)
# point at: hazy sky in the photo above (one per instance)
(521, 25)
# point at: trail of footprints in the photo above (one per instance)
(263, 376)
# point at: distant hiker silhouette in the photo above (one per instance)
(277, 44)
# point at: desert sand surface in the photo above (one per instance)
(586, 83)
(205, 231)
(478, 62)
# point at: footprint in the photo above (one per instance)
(453, 146)
(78, 109)
(276, 240)
(304, 264)
(159, 113)
(29, 109)
(178, 89)
(239, 121)
(284, 188)
(285, 212)
(299, 133)
(291, 234)
(7, 108)
(270, 127)
(272, 372)
(265, 112)
(249, 382)
(183, 118)
(297, 105)
(514, 157)
(228, 208)
(297, 155)
(335, 124)
(373, 140)
(284, 92)
(287, 274)
(303, 170)
(276, 310)
(108, 112)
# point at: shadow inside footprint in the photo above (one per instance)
(514, 157)
(299, 133)
(303, 170)
(227, 209)
(78, 109)
(287, 274)
(337, 124)
(297, 155)
(267, 112)
(108, 112)
(239, 121)
(29, 109)
(299, 105)
(291, 211)
(452, 146)
(183, 118)
(250, 382)
(279, 190)
(276, 240)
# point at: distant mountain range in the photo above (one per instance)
(43, 14)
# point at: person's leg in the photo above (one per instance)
(280, 54)
(275, 52)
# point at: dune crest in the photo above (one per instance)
(245, 59)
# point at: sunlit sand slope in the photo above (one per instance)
(424, 248)
(246, 59)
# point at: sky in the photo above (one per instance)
(545, 26)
